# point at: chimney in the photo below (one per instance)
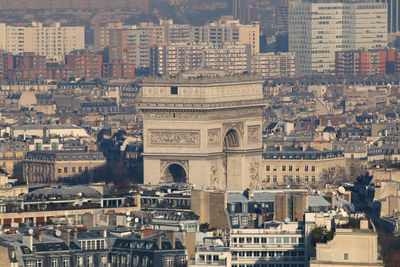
(104, 233)
(27, 240)
(74, 234)
(331, 199)
(364, 224)
(281, 147)
(159, 241)
(170, 235)
(66, 237)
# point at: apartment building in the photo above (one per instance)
(54, 166)
(271, 65)
(278, 244)
(85, 65)
(379, 61)
(228, 31)
(300, 166)
(172, 59)
(52, 41)
(349, 247)
(318, 29)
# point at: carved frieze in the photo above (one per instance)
(172, 115)
(253, 133)
(213, 137)
(174, 137)
(235, 113)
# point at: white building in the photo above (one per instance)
(52, 41)
(319, 29)
(271, 65)
(280, 244)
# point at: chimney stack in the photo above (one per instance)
(170, 235)
(27, 240)
(66, 237)
(159, 241)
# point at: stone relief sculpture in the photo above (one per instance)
(214, 136)
(214, 178)
(172, 137)
(255, 181)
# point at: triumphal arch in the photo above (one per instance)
(203, 128)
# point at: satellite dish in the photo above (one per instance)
(136, 220)
(58, 233)
(128, 213)
(30, 231)
(287, 220)
(341, 190)
(129, 219)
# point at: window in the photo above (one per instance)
(234, 240)
(86, 169)
(104, 259)
(286, 240)
(65, 262)
(174, 90)
(65, 169)
(169, 261)
(268, 179)
(215, 258)
(73, 169)
(313, 168)
(313, 179)
(263, 240)
(89, 260)
(293, 240)
(80, 169)
(244, 207)
(271, 240)
(297, 168)
(283, 168)
(267, 168)
(249, 253)
(235, 221)
(30, 264)
(256, 240)
(306, 178)
(59, 170)
(53, 262)
(275, 179)
(279, 240)
(290, 168)
(274, 168)
(245, 220)
(248, 240)
(346, 256)
(297, 179)
(241, 239)
(306, 168)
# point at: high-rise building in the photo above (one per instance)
(240, 10)
(393, 14)
(319, 29)
(227, 31)
(52, 41)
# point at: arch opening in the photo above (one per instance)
(231, 139)
(175, 173)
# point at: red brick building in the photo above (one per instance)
(85, 65)
(118, 69)
(382, 61)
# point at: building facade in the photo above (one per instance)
(52, 41)
(284, 166)
(319, 29)
(54, 166)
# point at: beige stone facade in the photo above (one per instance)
(349, 247)
(204, 131)
(303, 169)
(54, 166)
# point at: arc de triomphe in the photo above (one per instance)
(204, 130)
